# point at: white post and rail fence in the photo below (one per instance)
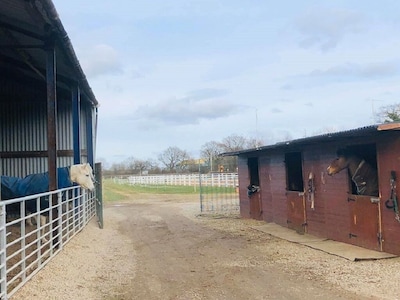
(218, 191)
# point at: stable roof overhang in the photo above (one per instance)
(27, 27)
(362, 132)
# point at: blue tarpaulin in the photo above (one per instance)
(15, 187)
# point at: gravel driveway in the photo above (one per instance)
(158, 247)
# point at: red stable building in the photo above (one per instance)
(295, 190)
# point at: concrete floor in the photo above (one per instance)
(350, 252)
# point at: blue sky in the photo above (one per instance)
(183, 73)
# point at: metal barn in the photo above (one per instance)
(48, 110)
(296, 192)
(48, 119)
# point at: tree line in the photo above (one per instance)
(176, 160)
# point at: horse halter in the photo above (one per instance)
(358, 169)
(358, 180)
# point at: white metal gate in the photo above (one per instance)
(219, 193)
(25, 249)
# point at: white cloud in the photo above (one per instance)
(171, 73)
(101, 60)
(196, 105)
(325, 28)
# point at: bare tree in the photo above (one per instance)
(389, 113)
(118, 169)
(172, 158)
(233, 143)
(210, 153)
(129, 165)
(154, 167)
(254, 143)
(141, 165)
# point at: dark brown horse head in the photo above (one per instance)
(341, 162)
(363, 175)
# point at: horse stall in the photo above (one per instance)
(48, 116)
(353, 201)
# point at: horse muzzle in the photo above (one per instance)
(330, 172)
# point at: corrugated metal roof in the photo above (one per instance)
(366, 131)
(25, 28)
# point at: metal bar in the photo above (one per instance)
(3, 252)
(59, 223)
(89, 134)
(76, 123)
(99, 194)
(23, 240)
(33, 256)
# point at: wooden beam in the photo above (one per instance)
(51, 115)
(36, 154)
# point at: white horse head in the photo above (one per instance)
(82, 174)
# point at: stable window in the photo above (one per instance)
(253, 171)
(294, 171)
(367, 153)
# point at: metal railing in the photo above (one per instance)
(26, 248)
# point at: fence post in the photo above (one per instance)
(99, 195)
(3, 256)
(200, 192)
(60, 216)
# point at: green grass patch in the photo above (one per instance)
(112, 195)
(116, 192)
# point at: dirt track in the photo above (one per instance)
(157, 248)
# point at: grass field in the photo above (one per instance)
(118, 192)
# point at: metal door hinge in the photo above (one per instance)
(380, 237)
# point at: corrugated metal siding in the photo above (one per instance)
(23, 128)
(23, 166)
(64, 126)
(83, 127)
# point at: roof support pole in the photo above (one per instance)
(89, 134)
(52, 131)
(51, 114)
(76, 121)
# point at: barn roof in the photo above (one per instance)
(26, 27)
(366, 131)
